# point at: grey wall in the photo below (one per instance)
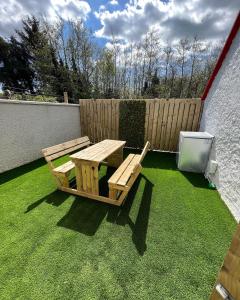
(221, 117)
(27, 127)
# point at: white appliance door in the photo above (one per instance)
(193, 156)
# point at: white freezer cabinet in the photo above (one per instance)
(194, 149)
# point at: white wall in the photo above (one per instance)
(27, 127)
(221, 117)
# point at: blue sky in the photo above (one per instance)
(93, 22)
(129, 20)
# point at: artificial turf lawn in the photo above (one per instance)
(167, 242)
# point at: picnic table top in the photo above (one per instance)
(98, 152)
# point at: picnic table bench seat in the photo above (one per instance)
(62, 172)
(126, 174)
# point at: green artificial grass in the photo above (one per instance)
(167, 242)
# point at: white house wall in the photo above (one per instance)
(28, 127)
(221, 117)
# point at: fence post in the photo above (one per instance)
(65, 97)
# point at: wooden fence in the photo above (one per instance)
(164, 119)
(99, 119)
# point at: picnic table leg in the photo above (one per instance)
(78, 174)
(112, 193)
(87, 178)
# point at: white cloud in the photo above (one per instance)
(102, 7)
(113, 2)
(12, 11)
(209, 20)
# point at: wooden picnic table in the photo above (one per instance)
(87, 163)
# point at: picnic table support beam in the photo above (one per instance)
(115, 159)
(91, 196)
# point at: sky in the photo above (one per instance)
(129, 20)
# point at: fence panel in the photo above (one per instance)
(99, 119)
(164, 119)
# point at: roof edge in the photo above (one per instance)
(222, 55)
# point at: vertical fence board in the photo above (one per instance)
(117, 119)
(178, 125)
(164, 126)
(197, 116)
(174, 125)
(164, 119)
(160, 122)
(169, 124)
(190, 116)
(146, 121)
(155, 121)
(185, 116)
(150, 121)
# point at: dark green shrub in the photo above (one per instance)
(132, 122)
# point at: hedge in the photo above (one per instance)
(132, 122)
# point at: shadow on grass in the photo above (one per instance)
(160, 160)
(197, 180)
(85, 216)
(56, 198)
(16, 172)
(120, 216)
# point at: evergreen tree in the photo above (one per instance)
(42, 56)
(15, 71)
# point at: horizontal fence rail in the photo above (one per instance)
(164, 119)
